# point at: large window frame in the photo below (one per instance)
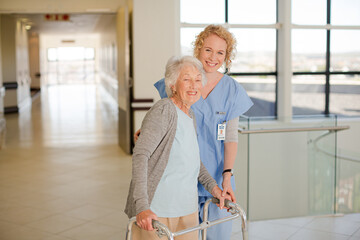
(275, 26)
(280, 107)
(327, 73)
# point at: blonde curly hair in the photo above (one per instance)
(221, 32)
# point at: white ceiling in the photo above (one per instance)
(78, 23)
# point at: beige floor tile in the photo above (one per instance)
(56, 224)
(357, 233)
(23, 215)
(32, 199)
(317, 235)
(334, 225)
(10, 231)
(295, 222)
(269, 231)
(89, 212)
(58, 205)
(90, 231)
(116, 219)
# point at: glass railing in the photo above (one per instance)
(292, 169)
(348, 181)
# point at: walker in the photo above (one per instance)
(162, 230)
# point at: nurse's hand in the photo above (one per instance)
(136, 135)
(144, 219)
(227, 189)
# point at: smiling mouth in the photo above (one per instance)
(193, 93)
(211, 64)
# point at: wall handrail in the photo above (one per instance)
(305, 129)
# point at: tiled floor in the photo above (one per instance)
(63, 177)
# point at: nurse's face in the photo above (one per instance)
(213, 53)
(188, 85)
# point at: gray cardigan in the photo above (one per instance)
(151, 154)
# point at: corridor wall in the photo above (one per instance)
(15, 70)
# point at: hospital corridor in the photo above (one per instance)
(77, 80)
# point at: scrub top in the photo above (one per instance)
(226, 101)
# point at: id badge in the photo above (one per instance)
(221, 131)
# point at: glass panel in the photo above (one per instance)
(345, 50)
(348, 200)
(308, 95)
(309, 12)
(345, 12)
(187, 38)
(321, 171)
(252, 12)
(296, 179)
(202, 11)
(256, 50)
(345, 95)
(308, 50)
(262, 91)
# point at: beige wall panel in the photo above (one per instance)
(155, 40)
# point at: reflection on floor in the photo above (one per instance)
(63, 177)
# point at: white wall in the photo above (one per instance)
(107, 56)
(155, 39)
(15, 61)
(22, 64)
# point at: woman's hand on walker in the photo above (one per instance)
(227, 189)
(217, 193)
(144, 219)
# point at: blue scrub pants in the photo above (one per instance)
(221, 231)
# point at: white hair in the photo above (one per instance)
(174, 67)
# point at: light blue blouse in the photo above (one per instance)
(177, 193)
(226, 101)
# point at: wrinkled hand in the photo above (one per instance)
(217, 193)
(144, 219)
(136, 135)
(227, 189)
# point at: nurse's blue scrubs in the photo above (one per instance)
(226, 101)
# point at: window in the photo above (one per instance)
(71, 54)
(70, 65)
(325, 51)
(254, 27)
(325, 39)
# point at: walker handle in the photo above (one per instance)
(162, 230)
(227, 204)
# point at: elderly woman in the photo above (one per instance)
(166, 159)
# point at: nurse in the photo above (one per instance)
(217, 112)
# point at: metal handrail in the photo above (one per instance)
(280, 130)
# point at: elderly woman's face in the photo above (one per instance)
(188, 86)
(212, 54)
